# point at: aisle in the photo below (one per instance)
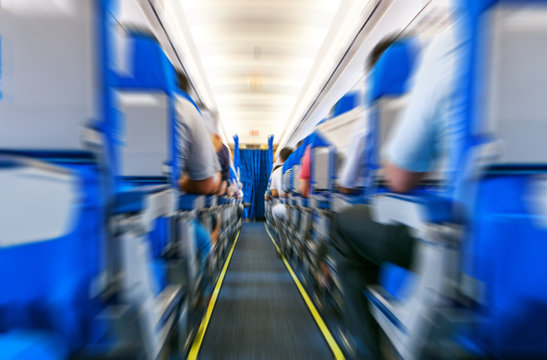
(259, 313)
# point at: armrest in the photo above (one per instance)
(210, 200)
(188, 202)
(412, 210)
(224, 201)
(134, 200)
(151, 202)
(341, 201)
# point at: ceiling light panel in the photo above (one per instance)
(256, 56)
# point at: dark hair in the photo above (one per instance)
(299, 143)
(285, 153)
(182, 82)
(379, 49)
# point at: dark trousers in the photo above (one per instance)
(363, 245)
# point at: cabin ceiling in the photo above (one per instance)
(258, 63)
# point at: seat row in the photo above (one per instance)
(97, 249)
(475, 286)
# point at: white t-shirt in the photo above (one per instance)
(195, 150)
(421, 136)
(352, 173)
(276, 180)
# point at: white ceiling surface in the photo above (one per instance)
(259, 65)
(257, 62)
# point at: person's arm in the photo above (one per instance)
(276, 183)
(304, 174)
(413, 145)
(222, 188)
(304, 187)
(201, 170)
(207, 186)
(401, 180)
(352, 169)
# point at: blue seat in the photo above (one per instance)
(134, 200)
(497, 270)
(24, 345)
(501, 261)
(55, 189)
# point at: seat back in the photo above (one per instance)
(387, 98)
(48, 90)
(53, 189)
(147, 104)
(505, 116)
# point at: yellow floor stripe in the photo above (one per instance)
(338, 355)
(194, 350)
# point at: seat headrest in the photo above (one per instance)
(347, 103)
(391, 73)
(151, 68)
(474, 7)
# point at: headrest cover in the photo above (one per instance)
(347, 103)
(475, 7)
(151, 67)
(390, 74)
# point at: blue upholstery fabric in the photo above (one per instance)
(505, 252)
(190, 201)
(390, 74)
(159, 236)
(254, 176)
(132, 200)
(26, 345)
(434, 208)
(270, 153)
(236, 152)
(45, 285)
(203, 244)
(151, 67)
(347, 103)
(394, 279)
(389, 77)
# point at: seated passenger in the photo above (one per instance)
(279, 211)
(352, 174)
(351, 177)
(416, 143)
(277, 173)
(199, 161)
(223, 154)
(304, 175)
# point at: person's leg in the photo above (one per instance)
(215, 224)
(203, 243)
(363, 245)
(279, 215)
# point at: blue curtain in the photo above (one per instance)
(236, 154)
(254, 166)
(270, 153)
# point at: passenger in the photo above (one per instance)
(199, 162)
(279, 211)
(413, 148)
(304, 175)
(352, 176)
(223, 154)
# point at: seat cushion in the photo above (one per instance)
(23, 345)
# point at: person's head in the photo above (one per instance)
(379, 49)
(299, 143)
(182, 82)
(284, 154)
